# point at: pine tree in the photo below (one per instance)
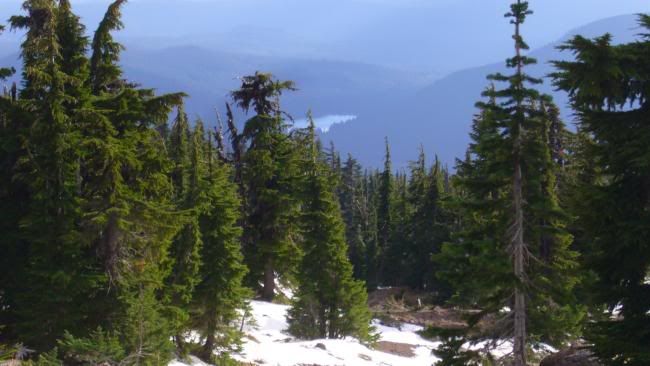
(329, 302)
(607, 86)
(512, 257)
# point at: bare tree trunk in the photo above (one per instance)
(268, 292)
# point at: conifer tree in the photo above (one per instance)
(428, 226)
(47, 166)
(511, 214)
(220, 293)
(384, 211)
(186, 153)
(269, 170)
(353, 204)
(329, 302)
(97, 193)
(607, 85)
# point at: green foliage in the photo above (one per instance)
(607, 85)
(220, 293)
(511, 216)
(5, 72)
(329, 302)
(99, 348)
(451, 351)
(384, 220)
(269, 171)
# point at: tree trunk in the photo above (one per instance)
(519, 263)
(518, 246)
(268, 292)
(108, 246)
(210, 339)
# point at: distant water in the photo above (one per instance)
(325, 122)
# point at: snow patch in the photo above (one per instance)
(267, 343)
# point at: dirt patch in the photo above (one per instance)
(437, 317)
(396, 305)
(398, 349)
(398, 298)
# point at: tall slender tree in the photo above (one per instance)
(384, 213)
(511, 215)
(220, 292)
(269, 170)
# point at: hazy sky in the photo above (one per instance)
(431, 35)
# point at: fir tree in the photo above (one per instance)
(269, 170)
(512, 215)
(384, 211)
(353, 206)
(187, 177)
(329, 302)
(428, 226)
(47, 165)
(220, 293)
(607, 85)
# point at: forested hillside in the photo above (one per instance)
(133, 233)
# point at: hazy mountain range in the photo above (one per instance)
(378, 86)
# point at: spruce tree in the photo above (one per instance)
(329, 302)
(607, 85)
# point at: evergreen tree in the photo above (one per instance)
(608, 89)
(96, 217)
(46, 163)
(186, 153)
(269, 170)
(353, 206)
(512, 257)
(329, 302)
(220, 293)
(428, 226)
(384, 222)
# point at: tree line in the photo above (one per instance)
(126, 227)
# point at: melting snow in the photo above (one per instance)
(268, 344)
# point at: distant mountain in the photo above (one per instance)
(376, 101)
(439, 115)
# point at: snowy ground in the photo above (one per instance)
(268, 344)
